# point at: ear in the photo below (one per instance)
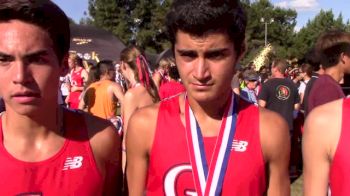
(344, 58)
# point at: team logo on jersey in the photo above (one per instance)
(239, 146)
(73, 163)
(282, 92)
(172, 177)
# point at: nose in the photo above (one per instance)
(201, 70)
(22, 73)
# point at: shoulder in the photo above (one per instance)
(115, 85)
(318, 126)
(272, 124)
(142, 125)
(104, 139)
(145, 114)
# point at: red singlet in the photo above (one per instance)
(76, 80)
(72, 171)
(170, 172)
(340, 168)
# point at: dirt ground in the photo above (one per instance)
(297, 187)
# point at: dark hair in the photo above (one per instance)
(312, 58)
(307, 68)
(105, 66)
(93, 76)
(43, 13)
(200, 17)
(174, 73)
(330, 45)
(137, 63)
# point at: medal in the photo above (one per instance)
(208, 179)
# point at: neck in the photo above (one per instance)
(278, 75)
(335, 72)
(212, 109)
(32, 127)
(105, 78)
(76, 68)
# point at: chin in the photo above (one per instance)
(202, 96)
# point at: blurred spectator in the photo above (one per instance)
(251, 80)
(174, 86)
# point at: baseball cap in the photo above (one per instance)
(250, 75)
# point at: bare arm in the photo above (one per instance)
(117, 92)
(105, 144)
(262, 103)
(139, 139)
(84, 75)
(320, 139)
(129, 106)
(236, 91)
(275, 143)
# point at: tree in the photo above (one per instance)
(139, 22)
(307, 36)
(280, 32)
(113, 16)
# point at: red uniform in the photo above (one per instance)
(340, 169)
(170, 89)
(170, 171)
(76, 80)
(71, 171)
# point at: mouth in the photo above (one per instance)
(25, 97)
(201, 86)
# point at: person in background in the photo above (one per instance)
(169, 144)
(248, 93)
(102, 96)
(93, 76)
(174, 86)
(46, 149)
(332, 49)
(305, 75)
(161, 75)
(142, 92)
(279, 93)
(78, 77)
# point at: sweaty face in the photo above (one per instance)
(206, 64)
(29, 68)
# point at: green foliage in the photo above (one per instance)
(280, 25)
(307, 36)
(139, 22)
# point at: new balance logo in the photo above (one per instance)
(73, 163)
(239, 146)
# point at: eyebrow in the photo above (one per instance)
(211, 51)
(5, 55)
(36, 53)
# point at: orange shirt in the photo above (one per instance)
(101, 103)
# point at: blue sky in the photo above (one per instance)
(307, 9)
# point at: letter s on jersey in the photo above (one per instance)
(171, 177)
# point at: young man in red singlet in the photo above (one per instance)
(44, 148)
(206, 141)
(326, 138)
